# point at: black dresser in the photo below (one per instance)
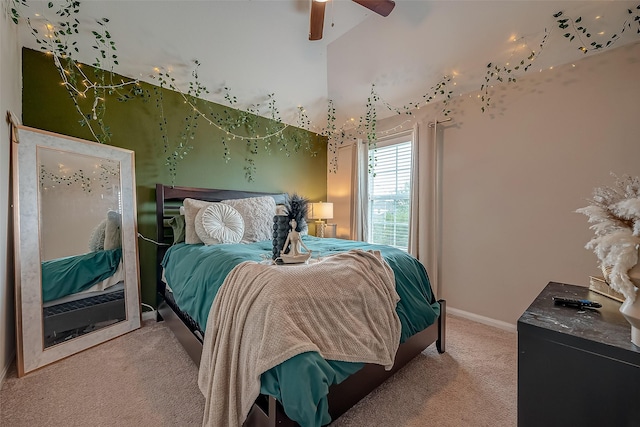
(576, 367)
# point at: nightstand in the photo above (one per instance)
(576, 367)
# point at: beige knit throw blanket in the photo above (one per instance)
(342, 307)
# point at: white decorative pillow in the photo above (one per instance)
(191, 209)
(219, 223)
(112, 232)
(258, 213)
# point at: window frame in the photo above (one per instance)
(391, 140)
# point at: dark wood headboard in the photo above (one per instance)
(168, 202)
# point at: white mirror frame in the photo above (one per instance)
(31, 353)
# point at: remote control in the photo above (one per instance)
(575, 302)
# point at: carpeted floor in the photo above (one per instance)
(145, 378)
(474, 383)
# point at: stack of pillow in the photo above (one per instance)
(229, 221)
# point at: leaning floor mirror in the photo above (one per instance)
(77, 276)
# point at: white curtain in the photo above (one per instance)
(416, 223)
(424, 225)
(360, 191)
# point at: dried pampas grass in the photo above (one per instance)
(614, 213)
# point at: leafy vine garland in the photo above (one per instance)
(260, 127)
(59, 40)
(79, 177)
(576, 29)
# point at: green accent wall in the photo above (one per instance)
(135, 125)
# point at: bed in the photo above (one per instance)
(355, 380)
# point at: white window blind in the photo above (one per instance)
(389, 194)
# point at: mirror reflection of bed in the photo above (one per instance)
(81, 244)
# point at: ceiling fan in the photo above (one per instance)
(316, 19)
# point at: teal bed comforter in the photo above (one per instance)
(72, 274)
(196, 272)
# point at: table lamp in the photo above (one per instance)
(321, 211)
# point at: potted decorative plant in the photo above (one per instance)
(614, 212)
(298, 208)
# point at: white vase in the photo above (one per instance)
(631, 309)
(634, 273)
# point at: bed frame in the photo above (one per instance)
(267, 411)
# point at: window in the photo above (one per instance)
(390, 193)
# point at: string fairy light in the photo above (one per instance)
(165, 79)
(521, 57)
(108, 174)
(56, 43)
(395, 128)
(228, 132)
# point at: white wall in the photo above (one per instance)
(513, 176)
(10, 100)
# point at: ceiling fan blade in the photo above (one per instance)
(316, 19)
(381, 7)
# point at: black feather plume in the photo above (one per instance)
(297, 208)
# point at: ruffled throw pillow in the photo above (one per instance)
(219, 223)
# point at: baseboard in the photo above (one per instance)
(3, 374)
(482, 319)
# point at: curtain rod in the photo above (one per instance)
(432, 124)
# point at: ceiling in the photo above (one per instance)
(261, 47)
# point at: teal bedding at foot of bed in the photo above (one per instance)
(306, 402)
(195, 280)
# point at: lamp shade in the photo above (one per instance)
(321, 211)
